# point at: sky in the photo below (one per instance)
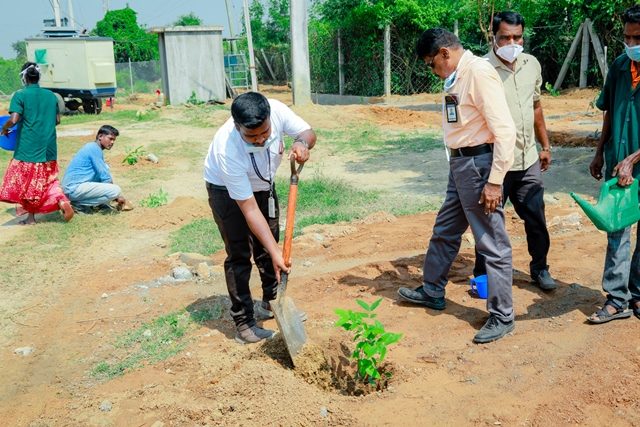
(24, 18)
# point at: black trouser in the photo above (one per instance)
(526, 192)
(240, 244)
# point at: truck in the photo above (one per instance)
(79, 69)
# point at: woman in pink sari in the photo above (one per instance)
(31, 180)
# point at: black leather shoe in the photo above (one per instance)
(419, 296)
(493, 330)
(544, 280)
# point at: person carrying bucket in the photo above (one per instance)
(619, 150)
(31, 179)
(239, 172)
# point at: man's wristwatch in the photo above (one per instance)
(303, 142)
(548, 149)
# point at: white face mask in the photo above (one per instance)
(509, 52)
(450, 81)
(252, 148)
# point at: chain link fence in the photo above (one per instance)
(363, 69)
(138, 77)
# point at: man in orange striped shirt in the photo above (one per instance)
(480, 137)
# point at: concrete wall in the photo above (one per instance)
(192, 60)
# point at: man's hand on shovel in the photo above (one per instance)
(279, 264)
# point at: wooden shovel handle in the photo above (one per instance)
(291, 212)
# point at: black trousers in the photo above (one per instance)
(526, 192)
(240, 245)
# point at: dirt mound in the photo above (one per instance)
(391, 116)
(179, 212)
(566, 139)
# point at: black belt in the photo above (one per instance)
(471, 151)
(216, 187)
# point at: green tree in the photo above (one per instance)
(131, 41)
(188, 20)
(9, 75)
(20, 47)
(270, 30)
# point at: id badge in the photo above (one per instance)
(272, 207)
(451, 108)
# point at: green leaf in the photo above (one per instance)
(363, 304)
(376, 304)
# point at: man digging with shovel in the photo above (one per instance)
(239, 172)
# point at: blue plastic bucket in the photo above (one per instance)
(8, 142)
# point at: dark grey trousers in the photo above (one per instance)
(467, 178)
(526, 192)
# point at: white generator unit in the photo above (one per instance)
(80, 70)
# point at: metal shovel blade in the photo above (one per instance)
(289, 320)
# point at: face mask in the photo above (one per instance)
(251, 148)
(509, 52)
(450, 81)
(633, 52)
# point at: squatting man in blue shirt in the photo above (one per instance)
(88, 182)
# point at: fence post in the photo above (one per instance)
(340, 66)
(252, 61)
(455, 27)
(387, 60)
(584, 58)
(130, 76)
(567, 60)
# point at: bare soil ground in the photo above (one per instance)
(553, 370)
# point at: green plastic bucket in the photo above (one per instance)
(617, 207)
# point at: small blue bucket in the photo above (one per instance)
(8, 142)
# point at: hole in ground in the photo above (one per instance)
(329, 367)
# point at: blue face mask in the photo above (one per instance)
(633, 52)
(450, 81)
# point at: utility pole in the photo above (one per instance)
(252, 60)
(232, 31)
(301, 79)
(56, 12)
(105, 6)
(72, 18)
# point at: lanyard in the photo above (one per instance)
(257, 171)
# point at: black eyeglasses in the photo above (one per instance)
(431, 64)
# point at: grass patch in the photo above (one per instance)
(324, 200)
(203, 115)
(154, 200)
(200, 236)
(321, 200)
(372, 139)
(111, 116)
(152, 342)
(156, 340)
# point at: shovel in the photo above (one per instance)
(284, 310)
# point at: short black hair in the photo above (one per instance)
(31, 72)
(107, 130)
(250, 110)
(631, 15)
(435, 38)
(508, 17)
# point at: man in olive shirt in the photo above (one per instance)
(619, 151)
(522, 79)
(480, 135)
